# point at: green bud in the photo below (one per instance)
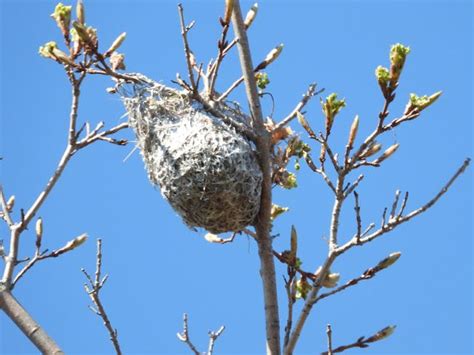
(262, 80)
(398, 54)
(47, 50)
(302, 288)
(383, 75)
(331, 107)
(420, 103)
(290, 182)
(297, 165)
(62, 16)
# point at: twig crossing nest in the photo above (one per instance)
(207, 171)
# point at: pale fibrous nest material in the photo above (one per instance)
(207, 170)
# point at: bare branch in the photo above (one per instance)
(187, 51)
(212, 339)
(393, 223)
(366, 275)
(71, 245)
(15, 311)
(358, 219)
(184, 336)
(306, 97)
(329, 335)
(93, 290)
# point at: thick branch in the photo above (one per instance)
(263, 220)
(26, 323)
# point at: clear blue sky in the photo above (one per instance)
(160, 269)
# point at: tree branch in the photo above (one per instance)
(32, 330)
(93, 290)
(262, 226)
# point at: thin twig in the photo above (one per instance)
(212, 339)
(184, 336)
(5, 210)
(187, 51)
(358, 219)
(363, 342)
(306, 97)
(329, 335)
(390, 225)
(93, 290)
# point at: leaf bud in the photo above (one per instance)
(390, 150)
(353, 131)
(117, 61)
(46, 51)
(331, 280)
(62, 16)
(80, 14)
(372, 149)
(39, 228)
(389, 261)
(229, 7)
(11, 203)
(251, 14)
(302, 288)
(116, 44)
(398, 54)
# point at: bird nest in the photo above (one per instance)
(207, 170)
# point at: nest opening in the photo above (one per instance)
(207, 171)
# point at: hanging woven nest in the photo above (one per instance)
(207, 171)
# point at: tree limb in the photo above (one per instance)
(262, 227)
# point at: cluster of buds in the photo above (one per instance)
(286, 179)
(331, 107)
(51, 50)
(417, 104)
(86, 37)
(79, 38)
(388, 78)
(62, 16)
